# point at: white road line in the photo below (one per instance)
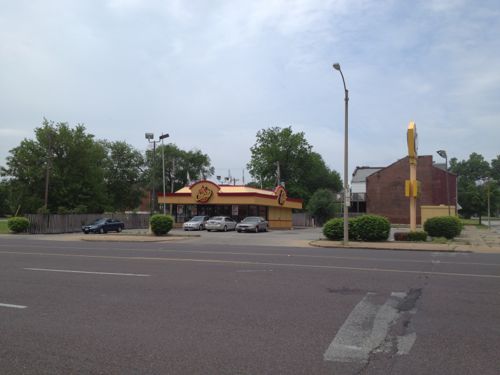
(364, 330)
(250, 271)
(12, 306)
(368, 259)
(87, 272)
(269, 264)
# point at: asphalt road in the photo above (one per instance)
(196, 308)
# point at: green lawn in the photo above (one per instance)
(475, 222)
(470, 221)
(3, 226)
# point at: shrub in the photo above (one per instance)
(417, 236)
(443, 226)
(370, 228)
(401, 236)
(43, 210)
(334, 229)
(61, 210)
(80, 209)
(322, 205)
(161, 224)
(18, 224)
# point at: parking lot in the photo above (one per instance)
(294, 237)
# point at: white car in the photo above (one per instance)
(196, 223)
(223, 223)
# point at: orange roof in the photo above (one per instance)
(231, 189)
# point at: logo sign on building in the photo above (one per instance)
(280, 193)
(203, 194)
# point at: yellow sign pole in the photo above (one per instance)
(411, 136)
(413, 198)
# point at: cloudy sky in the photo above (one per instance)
(213, 73)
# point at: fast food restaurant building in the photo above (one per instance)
(236, 201)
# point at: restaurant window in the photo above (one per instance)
(253, 211)
(263, 212)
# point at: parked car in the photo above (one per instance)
(252, 224)
(196, 223)
(104, 225)
(223, 223)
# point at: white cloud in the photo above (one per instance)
(213, 73)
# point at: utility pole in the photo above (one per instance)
(278, 174)
(172, 176)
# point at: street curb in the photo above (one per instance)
(135, 238)
(370, 246)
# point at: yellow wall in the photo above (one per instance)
(432, 211)
(280, 218)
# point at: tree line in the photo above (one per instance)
(64, 169)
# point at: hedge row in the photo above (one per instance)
(410, 236)
(443, 226)
(377, 228)
(362, 228)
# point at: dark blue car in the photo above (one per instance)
(104, 226)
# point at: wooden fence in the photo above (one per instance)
(70, 223)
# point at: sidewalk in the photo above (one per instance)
(472, 239)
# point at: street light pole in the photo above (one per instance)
(489, 213)
(162, 137)
(336, 66)
(444, 155)
(150, 137)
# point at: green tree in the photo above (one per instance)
(4, 194)
(302, 169)
(74, 163)
(322, 205)
(179, 164)
(495, 174)
(475, 185)
(495, 169)
(122, 173)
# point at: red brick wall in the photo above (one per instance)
(385, 189)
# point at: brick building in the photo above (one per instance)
(385, 189)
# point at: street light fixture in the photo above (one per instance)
(336, 66)
(443, 154)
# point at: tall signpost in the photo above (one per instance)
(412, 185)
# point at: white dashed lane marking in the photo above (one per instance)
(12, 306)
(87, 272)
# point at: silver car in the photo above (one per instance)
(223, 223)
(196, 223)
(252, 224)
